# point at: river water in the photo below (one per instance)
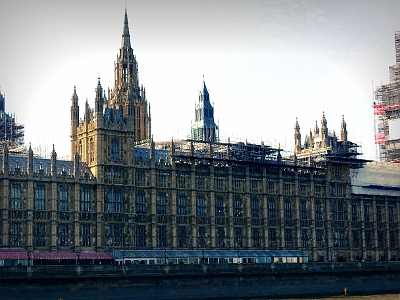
(321, 297)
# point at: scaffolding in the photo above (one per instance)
(386, 113)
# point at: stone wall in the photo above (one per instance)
(197, 281)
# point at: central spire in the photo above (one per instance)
(126, 41)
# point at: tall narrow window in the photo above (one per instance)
(63, 234)
(63, 194)
(114, 149)
(391, 213)
(256, 237)
(85, 235)
(255, 211)
(85, 199)
(219, 206)
(238, 206)
(161, 203)
(303, 210)
(40, 200)
(366, 212)
(16, 202)
(182, 236)
(379, 217)
(354, 212)
(141, 236)
(368, 239)
(201, 240)
(319, 234)
(238, 237)
(318, 210)
(271, 209)
(356, 239)
(304, 238)
(40, 235)
(392, 239)
(288, 209)
(338, 212)
(162, 236)
(115, 235)
(288, 238)
(181, 205)
(272, 238)
(140, 203)
(91, 150)
(16, 234)
(220, 237)
(339, 238)
(114, 200)
(201, 206)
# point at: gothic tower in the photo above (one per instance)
(104, 139)
(204, 128)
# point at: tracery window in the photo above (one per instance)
(115, 235)
(114, 200)
(40, 199)
(16, 202)
(140, 203)
(161, 203)
(141, 236)
(201, 237)
(40, 235)
(219, 206)
(162, 236)
(85, 199)
(182, 236)
(85, 235)
(238, 237)
(201, 206)
(303, 210)
(238, 206)
(182, 205)
(256, 237)
(255, 211)
(16, 234)
(63, 234)
(63, 198)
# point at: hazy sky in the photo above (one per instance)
(264, 62)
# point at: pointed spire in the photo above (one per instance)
(126, 40)
(343, 130)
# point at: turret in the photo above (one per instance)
(99, 100)
(5, 159)
(324, 131)
(343, 131)
(297, 137)
(53, 163)
(30, 160)
(87, 112)
(74, 120)
(204, 128)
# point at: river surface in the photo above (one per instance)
(321, 297)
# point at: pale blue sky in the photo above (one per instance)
(265, 63)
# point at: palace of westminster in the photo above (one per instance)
(122, 190)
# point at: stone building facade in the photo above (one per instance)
(122, 190)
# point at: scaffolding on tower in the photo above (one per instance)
(11, 133)
(387, 122)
